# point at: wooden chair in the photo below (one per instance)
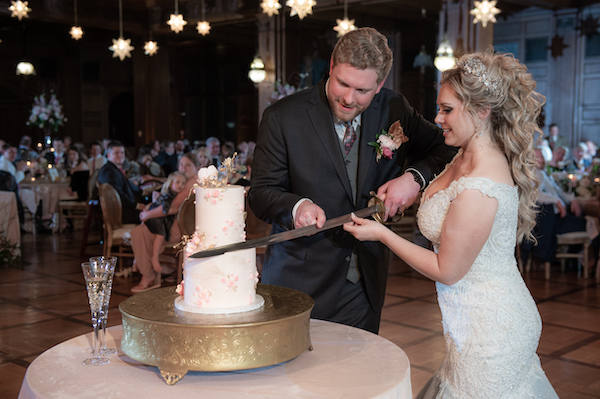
(186, 218)
(94, 211)
(79, 209)
(574, 238)
(114, 229)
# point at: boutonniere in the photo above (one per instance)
(390, 141)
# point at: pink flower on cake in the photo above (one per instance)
(179, 288)
(250, 299)
(202, 295)
(230, 282)
(390, 141)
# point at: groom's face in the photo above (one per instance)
(351, 90)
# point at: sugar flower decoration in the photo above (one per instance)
(390, 141)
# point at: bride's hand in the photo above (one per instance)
(364, 229)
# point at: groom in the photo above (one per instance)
(313, 162)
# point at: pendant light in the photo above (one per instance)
(176, 22)
(76, 31)
(121, 47)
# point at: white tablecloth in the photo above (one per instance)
(346, 363)
(9, 217)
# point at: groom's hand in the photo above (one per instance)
(308, 214)
(398, 194)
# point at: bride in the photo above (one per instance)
(474, 213)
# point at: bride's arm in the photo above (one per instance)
(466, 228)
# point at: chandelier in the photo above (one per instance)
(176, 22)
(121, 47)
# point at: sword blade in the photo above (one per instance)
(290, 234)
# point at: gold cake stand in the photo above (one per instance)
(157, 334)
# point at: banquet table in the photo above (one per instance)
(346, 362)
(50, 192)
(9, 218)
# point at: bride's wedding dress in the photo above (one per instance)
(490, 321)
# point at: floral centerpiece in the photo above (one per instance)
(9, 253)
(578, 184)
(46, 113)
(281, 91)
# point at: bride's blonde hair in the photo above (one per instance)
(502, 84)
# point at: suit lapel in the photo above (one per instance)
(321, 118)
(370, 127)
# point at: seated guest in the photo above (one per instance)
(558, 161)
(96, 159)
(167, 158)
(203, 155)
(9, 163)
(592, 149)
(580, 158)
(560, 213)
(78, 171)
(214, 147)
(25, 152)
(114, 174)
(58, 156)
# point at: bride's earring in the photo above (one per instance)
(479, 128)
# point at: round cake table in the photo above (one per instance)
(346, 363)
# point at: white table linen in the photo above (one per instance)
(346, 363)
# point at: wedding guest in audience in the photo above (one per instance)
(167, 159)
(58, 156)
(592, 149)
(559, 156)
(555, 139)
(96, 159)
(180, 149)
(25, 152)
(161, 226)
(105, 143)
(9, 163)
(560, 213)
(580, 156)
(226, 151)
(113, 173)
(67, 141)
(214, 147)
(204, 158)
(142, 240)
(546, 150)
(79, 172)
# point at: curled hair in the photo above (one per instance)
(364, 48)
(514, 109)
(166, 187)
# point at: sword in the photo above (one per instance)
(375, 207)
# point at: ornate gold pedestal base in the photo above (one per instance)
(156, 334)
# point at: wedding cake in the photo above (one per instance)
(224, 283)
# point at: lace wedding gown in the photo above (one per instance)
(490, 321)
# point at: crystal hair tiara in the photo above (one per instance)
(474, 66)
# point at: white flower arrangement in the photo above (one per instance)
(46, 113)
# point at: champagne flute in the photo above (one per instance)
(110, 263)
(96, 278)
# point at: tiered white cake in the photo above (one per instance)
(224, 283)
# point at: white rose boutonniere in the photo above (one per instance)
(390, 141)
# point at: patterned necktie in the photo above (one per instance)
(349, 137)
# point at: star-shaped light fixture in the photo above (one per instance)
(485, 11)
(301, 7)
(203, 28)
(19, 9)
(121, 47)
(270, 7)
(150, 47)
(76, 31)
(176, 22)
(344, 25)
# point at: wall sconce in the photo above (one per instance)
(257, 72)
(25, 68)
